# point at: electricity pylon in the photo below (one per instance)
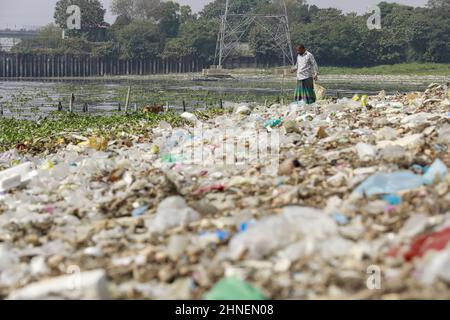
(233, 28)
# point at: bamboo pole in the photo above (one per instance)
(72, 100)
(128, 99)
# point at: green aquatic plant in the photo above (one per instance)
(45, 133)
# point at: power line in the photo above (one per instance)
(233, 28)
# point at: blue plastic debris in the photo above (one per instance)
(340, 218)
(222, 235)
(393, 199)
(139, 211)
(245, 225)
(418, 168)
(389, 183)
(438, 170)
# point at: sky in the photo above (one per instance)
(30, 14)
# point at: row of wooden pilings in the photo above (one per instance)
(57, 66)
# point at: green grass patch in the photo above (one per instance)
(432, 69)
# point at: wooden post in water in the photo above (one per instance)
(184, 106)
(60, 107)
(135, 107)
(72, 100)
(1, 110)
(119, 108)
(167, 106)
(221, 103)
(128, 99)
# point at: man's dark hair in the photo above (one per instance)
(301, 46)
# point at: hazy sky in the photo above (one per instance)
(31, 13)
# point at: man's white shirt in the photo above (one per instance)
(306, 66)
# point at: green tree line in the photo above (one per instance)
(154, 28)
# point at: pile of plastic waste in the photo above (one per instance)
(341, 199)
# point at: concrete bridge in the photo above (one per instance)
(9, 38)
(18, 34)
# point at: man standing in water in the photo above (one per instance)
(307, 71)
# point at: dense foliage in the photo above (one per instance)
(149, 28)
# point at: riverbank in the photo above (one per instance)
(351, 201)
(250, 74)
(405, 72)
(402, 69)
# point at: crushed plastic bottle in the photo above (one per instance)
(365, 151)
(436, 172)
(17, 176)
(294, 223)
(172, 212)
(189, 117)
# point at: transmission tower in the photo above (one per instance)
(233, 28)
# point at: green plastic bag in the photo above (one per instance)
(232, 288)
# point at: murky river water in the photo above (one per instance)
(29, 99)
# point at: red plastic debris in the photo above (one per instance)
(435, 241)
(393, 252)
(209, 189)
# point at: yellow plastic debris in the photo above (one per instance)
(410, 97)
(15, 162)
(48, 165)
(97, 143)
(382, 95)
(355, 97)
(155, 149)
(320, 91)
(364, 101)
(239, 181)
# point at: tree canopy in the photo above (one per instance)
(151, 28)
